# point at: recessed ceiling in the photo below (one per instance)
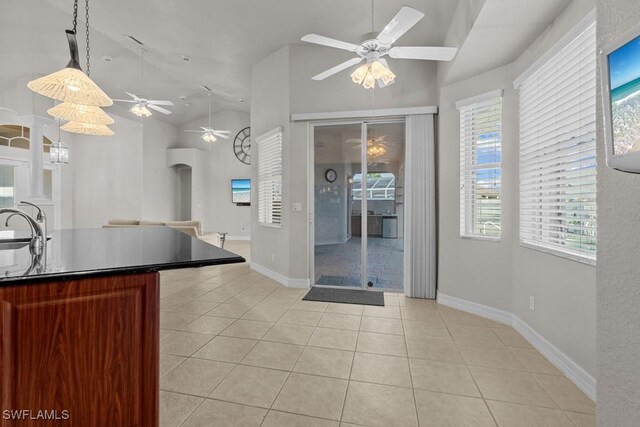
(221, 39)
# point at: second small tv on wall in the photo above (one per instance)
(241, 192)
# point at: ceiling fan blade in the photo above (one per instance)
(223, 131)
(326, 41)
(126, 100)
(423, 52)
(196, 131)
(151, 101)
(133, 96)
(337, 69)
(159, 109)
(400, 24)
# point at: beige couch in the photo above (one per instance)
(193, 228)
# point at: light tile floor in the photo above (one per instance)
(238, 349)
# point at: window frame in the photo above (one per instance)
(468, 203)
(529, 180)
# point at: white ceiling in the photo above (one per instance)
(500, 33)
(223, 38)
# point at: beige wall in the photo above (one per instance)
(618, 270)
(504, 274)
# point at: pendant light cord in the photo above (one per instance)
(86, 14)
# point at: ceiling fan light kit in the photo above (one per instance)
(140, 110)
(375, 47)
(81, 97)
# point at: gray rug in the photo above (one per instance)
(345, 296)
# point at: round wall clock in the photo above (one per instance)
(242, 146)
(330, 175)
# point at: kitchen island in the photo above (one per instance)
(79, 326)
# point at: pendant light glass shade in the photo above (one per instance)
(80, 113)
(87, 129)
(59, 152)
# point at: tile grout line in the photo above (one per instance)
(353, 357)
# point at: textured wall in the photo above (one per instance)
(618, 270)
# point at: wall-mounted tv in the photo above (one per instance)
(620, 66)
(241, 191)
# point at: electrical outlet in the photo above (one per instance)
(532, 303)
(273, 257)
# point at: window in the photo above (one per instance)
(270, 178)
(17, 136)
(480, 165)
(558, 152)
(7, 186)
(380, 186)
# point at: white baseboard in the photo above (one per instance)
(581, 378)
(475, 308)
(280, 278)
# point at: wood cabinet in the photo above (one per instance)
(374, 225)
(87, 346)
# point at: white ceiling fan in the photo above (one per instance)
(141, 104)
(374, 47)
(210, 134)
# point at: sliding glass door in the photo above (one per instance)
(358, 205)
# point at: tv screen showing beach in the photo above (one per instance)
(241, 190)
(624, 81)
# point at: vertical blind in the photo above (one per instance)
(558, 152)
(270, 178)
(480, 165)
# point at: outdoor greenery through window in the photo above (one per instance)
(380, 186)
(558, 152)
(480, 165)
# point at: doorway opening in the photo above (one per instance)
(359, 206)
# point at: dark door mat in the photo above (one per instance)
(345, 296)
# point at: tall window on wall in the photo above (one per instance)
(480, 165)
(270, 178)
(558, 150)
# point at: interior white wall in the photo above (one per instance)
(503, 274)
(270, 108)
(618, 270)
(220, 167)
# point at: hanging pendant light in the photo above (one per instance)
(59, 151)
(80, 113)
(71, 84)
(87, 129)
(80, 95)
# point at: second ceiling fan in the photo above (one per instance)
(210, 134)
(375, 46)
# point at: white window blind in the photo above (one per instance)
(480, 165)
(270, 178)
(558, 152)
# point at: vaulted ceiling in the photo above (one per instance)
(223, 39)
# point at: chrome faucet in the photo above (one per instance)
(38, 239)
(41, 217)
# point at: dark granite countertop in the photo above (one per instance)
(80, 253)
